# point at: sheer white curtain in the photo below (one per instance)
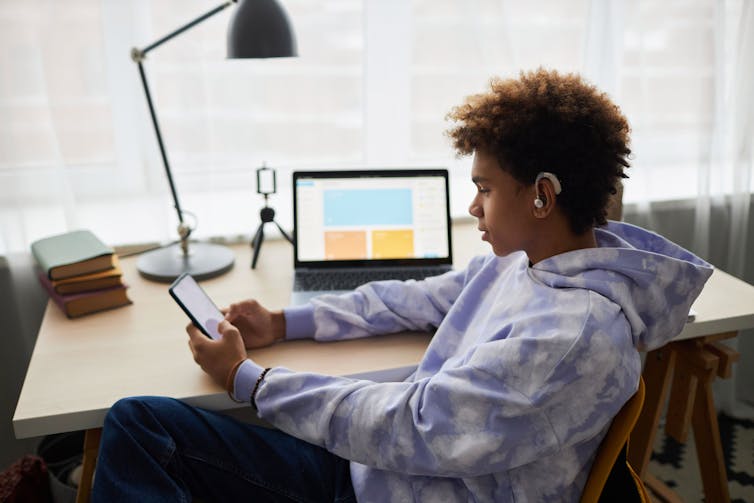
(726, 178)
(732, 158)
(371, 87)
(692, 113)
(78, 148)
(55, 114)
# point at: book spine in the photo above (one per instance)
(56, 297)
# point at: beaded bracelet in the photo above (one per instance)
(256, 387)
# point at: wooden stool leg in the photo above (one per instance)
(681, 403)
(708, 446)
(705, 362)
(658, 369)
(91, 448)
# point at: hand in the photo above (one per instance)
(259, 327)
(217, 357)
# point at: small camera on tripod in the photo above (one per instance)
(266, 185)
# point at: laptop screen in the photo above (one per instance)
(356, 217)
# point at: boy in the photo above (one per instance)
(536, 346)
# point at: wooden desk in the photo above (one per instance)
(79, 368)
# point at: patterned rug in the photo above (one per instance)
(677, 466)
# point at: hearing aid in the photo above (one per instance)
(541, 200)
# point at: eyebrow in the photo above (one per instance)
(479, 179)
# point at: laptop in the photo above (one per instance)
(352, 227)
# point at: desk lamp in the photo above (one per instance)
(258, 29)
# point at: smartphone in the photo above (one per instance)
(195, 302)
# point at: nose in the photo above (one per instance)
(475, 209)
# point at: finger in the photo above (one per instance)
(190, 330)
(196, 337)
(232, 312)
(193, 350)
(227, 328)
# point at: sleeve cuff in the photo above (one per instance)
(246, 377)
(299, 322)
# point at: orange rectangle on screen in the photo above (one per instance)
(345, 245)
(393, 244)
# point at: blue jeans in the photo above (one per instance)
(160, 449)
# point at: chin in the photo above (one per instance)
(500, 252)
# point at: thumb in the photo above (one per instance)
(227, 328)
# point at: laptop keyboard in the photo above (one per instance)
(350, 279)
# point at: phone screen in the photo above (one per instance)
(197, 305)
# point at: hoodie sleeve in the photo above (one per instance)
(397, 426)
(380, 307)
(472, 419)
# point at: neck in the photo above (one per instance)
(557, 239)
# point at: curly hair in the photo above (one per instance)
(545, 121)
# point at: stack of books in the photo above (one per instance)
(80, 273)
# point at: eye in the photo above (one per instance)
(482, 190)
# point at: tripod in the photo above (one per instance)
(267, 215)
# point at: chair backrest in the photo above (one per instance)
(612, 447)
(615, 203)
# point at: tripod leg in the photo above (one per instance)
(257, 245)
(256, 235)
(285, 234)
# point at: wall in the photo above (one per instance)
(22, 303)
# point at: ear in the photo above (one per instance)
(544, 198)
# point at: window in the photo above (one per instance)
(371, 88)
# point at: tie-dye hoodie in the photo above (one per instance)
(526, 369)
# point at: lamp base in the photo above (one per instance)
(204, 261)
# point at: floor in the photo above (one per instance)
(676, 464)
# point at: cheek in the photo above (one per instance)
(493, 211)
(501, 219)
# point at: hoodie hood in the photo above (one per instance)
(654, 280)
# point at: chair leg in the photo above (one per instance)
(659, 491)
(708, 445)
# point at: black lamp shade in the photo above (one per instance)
(260, 29)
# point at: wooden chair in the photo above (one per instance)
(615, 204)
(611, 478)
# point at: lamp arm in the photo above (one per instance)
(138, 54)
(160, 143)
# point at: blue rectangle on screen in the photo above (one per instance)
(368, 207)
